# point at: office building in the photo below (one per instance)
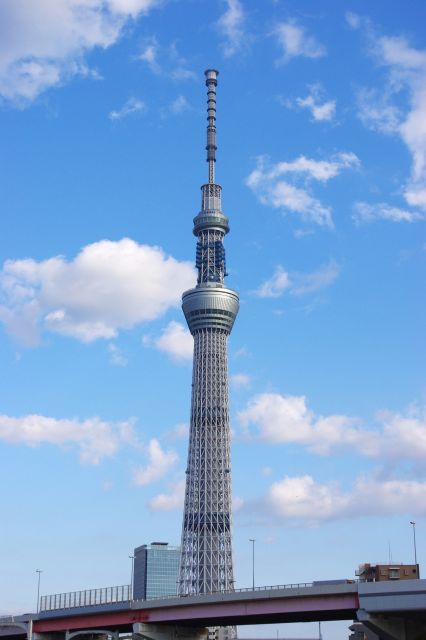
(155, 570)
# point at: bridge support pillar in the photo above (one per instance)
(392, 627)
(48, 636)
(361, 631)
(168, 632)
(94, 634)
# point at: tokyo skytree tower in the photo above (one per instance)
(210, 310)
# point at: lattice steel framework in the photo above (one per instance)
(210, 310)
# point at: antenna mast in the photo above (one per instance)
(211, 83)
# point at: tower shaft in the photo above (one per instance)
(206, 540)
(210, 310)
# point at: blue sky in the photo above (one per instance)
(322, 159)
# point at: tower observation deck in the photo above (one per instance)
(210, 309)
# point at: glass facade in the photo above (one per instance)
(155, 570)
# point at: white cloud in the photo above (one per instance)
(321, 110)
(149, 54)
(406, 77)
(285, 196)
(108, 286)
(94, 438)
(179, 105)
(275, 286)
(365, 212)
(165, 60)
(169, 501)
(180, 431)
(303, 283)
(181, 73)
(295, 42)
(179, 65)
(321, 170)
(242, 352)
(176, 341)
(44, 43)
(287, 419)
(271, 190)
(240, 380)
(159, 464)
(231, 25)
(131, 106)
(237, 503)
(277, 418)
(353, 20)
(116, 355)
(300, 500)
(298, 283)
(377, 112)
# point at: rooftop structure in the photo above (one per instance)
(391, 571)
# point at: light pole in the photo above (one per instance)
(39, 571)
(132, 558)
(414, 537)
(252, 540)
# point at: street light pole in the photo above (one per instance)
(39, 571)
(132, 558)
(253, 540)
(414, 537)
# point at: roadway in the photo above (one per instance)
(393, 600)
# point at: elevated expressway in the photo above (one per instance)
(391, 610)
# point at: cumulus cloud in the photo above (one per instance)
(298, 283)
(300, 500)
(410, 64)
(406, 66)
(159, 464)
(271, 189)
(176, 341)
(365, 212)
(170, 501)
(288, 197)
(321, 110)
(93, 438)
(277, 418)
(44, 43)
(295, 42)
(130, 107)
(108, 286)
(230, 24)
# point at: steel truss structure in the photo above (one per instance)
(210, 310)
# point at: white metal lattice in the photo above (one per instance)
(206, 556)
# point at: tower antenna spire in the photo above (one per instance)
(211, 83)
